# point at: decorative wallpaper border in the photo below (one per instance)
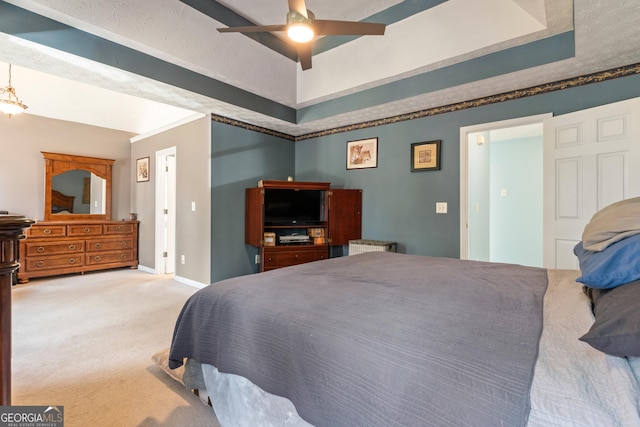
(247, 126)
(597, 77)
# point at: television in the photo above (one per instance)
(293, 207)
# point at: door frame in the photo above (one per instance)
(464, 167)
(162, 192)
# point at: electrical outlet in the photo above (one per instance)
(441, 207)
(182, 259)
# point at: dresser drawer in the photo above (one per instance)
(124, 228)
(274, 259)
(291, 258)
(46, 231)
(57, 247)
(84, 230)
(109, 245)
(53, 262)
(109, 257)
(53, 248)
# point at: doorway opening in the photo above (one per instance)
(501, 191)
(165, 211)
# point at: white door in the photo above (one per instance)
(165, 210)
(591, 159)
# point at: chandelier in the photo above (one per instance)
(9, 102)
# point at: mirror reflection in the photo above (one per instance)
(78, 191)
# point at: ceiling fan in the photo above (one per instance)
(302, 26)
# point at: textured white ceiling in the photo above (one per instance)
(175, 32)
(268, 12)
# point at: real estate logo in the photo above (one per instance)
(31, 416)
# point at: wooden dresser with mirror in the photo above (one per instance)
(77, 234)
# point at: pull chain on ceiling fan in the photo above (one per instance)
(302, 26)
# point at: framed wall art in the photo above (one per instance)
(362, 154)
(142, 169)
(425, 156)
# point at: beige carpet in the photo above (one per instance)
(85, 342)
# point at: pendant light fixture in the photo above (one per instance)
(9, 102)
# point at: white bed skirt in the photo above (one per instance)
(238, 402)
(573, 385)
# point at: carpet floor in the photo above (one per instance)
(85, 342)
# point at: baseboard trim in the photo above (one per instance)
(146, 269)
(177, 278)
(189, 282)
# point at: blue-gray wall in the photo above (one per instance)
(398, 204)
(239, 159)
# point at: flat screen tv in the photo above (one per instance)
(293, 207)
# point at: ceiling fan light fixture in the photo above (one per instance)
(9, 103)
(300, 32)
(299, 27)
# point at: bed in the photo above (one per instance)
(61, 203)
(389, 339)
(344, 342)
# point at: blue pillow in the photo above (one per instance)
(616, 265)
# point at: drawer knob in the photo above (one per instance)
(123, 244)
(98, 245)
(118, 228)
(97, 258)
(72, 247)
(72, 260)
(123, 256)
(40, 249)
(86, 230)
(46, 231)
(40, 263)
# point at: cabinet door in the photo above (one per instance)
(345, 216)
(254, 216)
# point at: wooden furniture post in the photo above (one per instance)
(12, 229)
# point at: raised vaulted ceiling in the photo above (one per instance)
(432, 57)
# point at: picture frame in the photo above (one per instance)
(425, 156)
(362, 154)
(86, 191)
(142, 169)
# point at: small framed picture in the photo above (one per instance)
(425, 156)
(142, 169)
(362, 154)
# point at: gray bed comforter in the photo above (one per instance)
(377, 339)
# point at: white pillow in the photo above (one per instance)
(611, 224)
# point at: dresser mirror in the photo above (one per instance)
(76, 187)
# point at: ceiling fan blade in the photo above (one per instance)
(347, 28)
(299, 7)
(304, 54)
(253, 29)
